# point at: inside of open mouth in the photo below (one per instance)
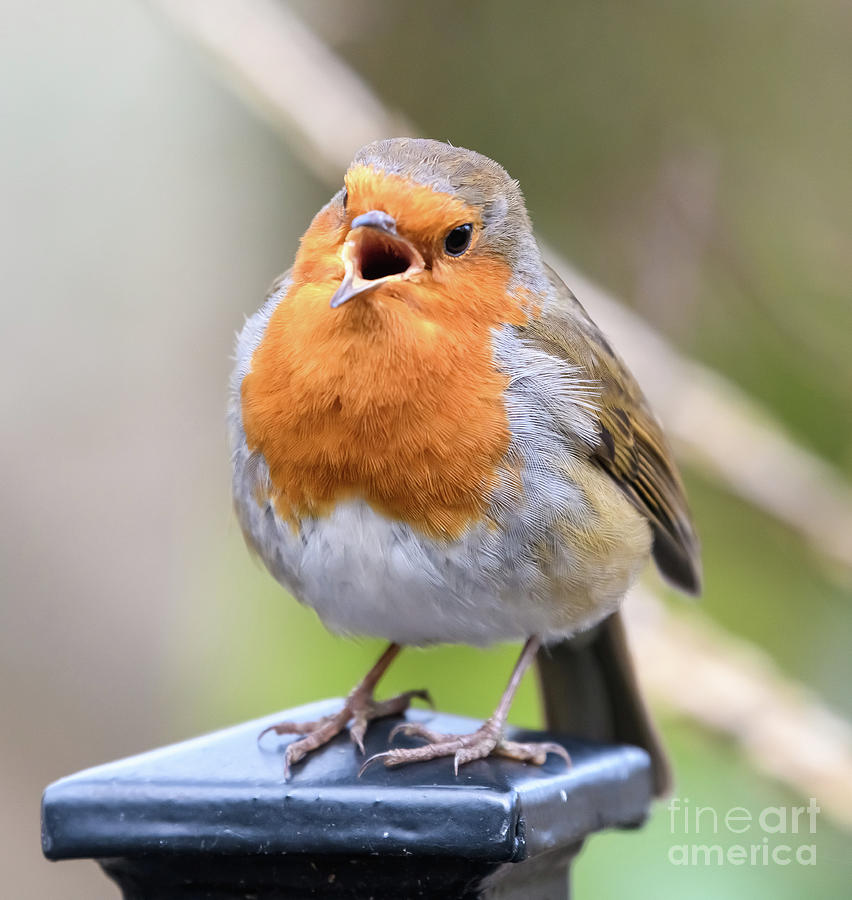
(380, 257)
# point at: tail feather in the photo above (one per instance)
(589, 690)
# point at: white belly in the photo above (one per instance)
(366, 575)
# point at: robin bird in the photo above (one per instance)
(432, 442)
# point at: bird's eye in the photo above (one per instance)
(345, 199)
(458, 240)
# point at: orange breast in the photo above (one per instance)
(393, 398)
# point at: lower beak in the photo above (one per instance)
(373, 254)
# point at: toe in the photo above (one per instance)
(395, 706)
(414, 729)
(288, 728)
(298, 727)
(535, 753)
(403, 756)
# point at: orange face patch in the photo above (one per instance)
(422, 214)
(394, 397)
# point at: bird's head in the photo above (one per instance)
(422, 230)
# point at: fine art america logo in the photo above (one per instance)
(773, 836)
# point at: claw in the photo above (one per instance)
(374, 758)
(265, 732)
(397, 730)
(457, 762)
(357, 730)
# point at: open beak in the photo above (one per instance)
(374, 254)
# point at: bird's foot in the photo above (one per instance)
(360, 707)
(486, 740)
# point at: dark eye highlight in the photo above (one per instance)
(458, 240)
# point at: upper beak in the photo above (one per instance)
(373, 254)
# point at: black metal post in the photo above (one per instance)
(213, 817)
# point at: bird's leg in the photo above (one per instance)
(487, 739)
(359, 706)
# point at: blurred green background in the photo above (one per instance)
(693, 158)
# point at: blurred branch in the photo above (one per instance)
(327, 112)
(290, 77)
(735, 689)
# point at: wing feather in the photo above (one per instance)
(629, 445)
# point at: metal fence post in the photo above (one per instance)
(213, 818)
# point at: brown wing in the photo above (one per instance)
(630, 444)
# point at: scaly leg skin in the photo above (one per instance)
(483, 742)
(359, 706)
